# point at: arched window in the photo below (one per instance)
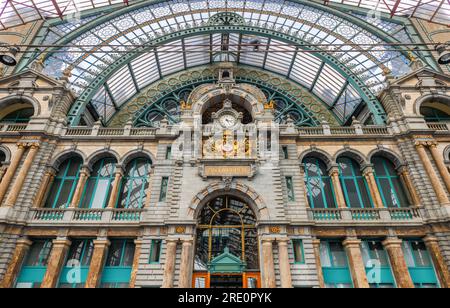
(64, 184)
(389, 184)
(98, 187)
(353, 184)
(318, 184)
(22, 115)
(435, 115)
(2, 158)
(134, 184)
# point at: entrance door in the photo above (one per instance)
(230, 281)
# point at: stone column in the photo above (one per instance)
(22, 247)
(268, 280)
(47, 182)
(393, 247)
(55, 262)
(373, 187)
(169, 267)
(356, 263)
(285, 266)
(2, 171)
(115, 188)
(440, 192)
(406, 179)
(334, 174)
(15, 190)
(438, 260)
(84, 175)
(137, 255)
(97, 261)
(6, 180)
(186, 264)
(440, 165)
(316, 246)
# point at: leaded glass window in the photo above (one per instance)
(420, 265)
(318, 184)
(22, 115)
(434, 115)
(353, 184)
(35, 264)
(134, 184)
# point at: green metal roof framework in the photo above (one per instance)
(95, 77)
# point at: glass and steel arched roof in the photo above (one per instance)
(112, 55)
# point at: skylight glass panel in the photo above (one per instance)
(145, 69)
(253, 50)
(347, 103)
(122, 86)
(193, 57)
(171, 58)
(305, 68)
(279, 57)
(103, 104)
(329, 84)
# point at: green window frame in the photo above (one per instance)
(354, 185)
(64, 184)
(382, 277)
(335, 268)
(387, 178)
(420, 265)
(434, 115)
(78, 259)
(169, 152)
(19, 116)
(298, 251)
(119, 263)
(290, 189)
(318, 184)
(155, 252)
(163, 190)
(35, 265)
(98, 187)
(134, 184)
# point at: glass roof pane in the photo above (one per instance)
(122, 86)
(145, 69)
(329, 84)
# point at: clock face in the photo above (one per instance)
(227, 120)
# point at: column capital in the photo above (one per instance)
(267, 240)
(24, 242)
(432, 144)
(101, 242)
(283, 240)
(430, 239)
(316, 242)
(61, 242)
(334, 169)
(138, 242)
(85, 170)
(172, 240)
(392, 241)
(34, 145)
(350, 242)
(21, 145)
(186, 242)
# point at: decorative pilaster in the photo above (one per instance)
(393, 247)
(406, 179)
(6, 180)
(169, 268)
(440, 192)
(55, 262)
(357, 268)
(186, 264)
(316, 247)
(84, 175)
(97, 261)
(285, 267)
(268, 266)
(115, 187)
(137, 255)
(47, 182)
(15, 191)
(440, 165)
(22, 247)
(373, 187)
(334, 174)
(438, 260)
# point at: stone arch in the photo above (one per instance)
(389, 155)
(64, 155)
(352, 153)
(97, 155)
(447, 154)
(441, 98)
(5, 150)
(17, 99)
(238, 189)
(128, 157)
(324, 156)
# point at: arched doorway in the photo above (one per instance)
(226, 254)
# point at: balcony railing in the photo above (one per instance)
(438, 126)
(13, 127)
(410, 214)
(43, 215)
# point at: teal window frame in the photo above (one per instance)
(390, 178)
(164, 187)
(169, 152)
(152, 247)
(298, 242)
(421, 276)
(34, 274)
(120, 275)
(18, 117)
(128, 181)
(285, 151)
(84, 266)
(290, 188)
(437, 115)
(335, 275)
(322, 179)
(97, 178)
(386, 276)
(354, 177)
(62, 178)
